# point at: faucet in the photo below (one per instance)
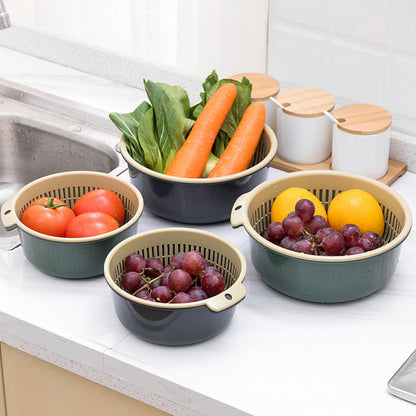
(4, 16)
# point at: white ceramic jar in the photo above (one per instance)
(263, 87)
(304, 132)
(361, 140)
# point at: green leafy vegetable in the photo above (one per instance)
(242, 101)
(147, 136)
(211, 162)
(155, 132)
(179, 124)
(128, 124)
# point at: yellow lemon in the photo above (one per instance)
(358, 207)
(285, 203)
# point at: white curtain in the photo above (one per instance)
(196, 36)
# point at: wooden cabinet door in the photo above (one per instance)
(37, 388)
(2, 402)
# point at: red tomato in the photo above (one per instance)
(49, 216)
(100, 200)
(89, 224)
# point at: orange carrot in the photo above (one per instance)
(191, 158)
(240, 150)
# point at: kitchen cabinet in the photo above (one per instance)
(37, 388)
(2, 401)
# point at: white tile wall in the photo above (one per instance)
(144, 29)
(358, 50)
(195, 36)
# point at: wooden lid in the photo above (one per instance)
(264, 86)
(363, 118)
(306, 102)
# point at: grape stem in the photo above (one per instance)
(312, 238)
(148, 283)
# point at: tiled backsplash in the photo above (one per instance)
(358, 50)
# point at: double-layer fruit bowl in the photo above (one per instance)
(177, 323)
(324, 279)
(200, 200)
(71, 257)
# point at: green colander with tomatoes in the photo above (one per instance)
(68, 222)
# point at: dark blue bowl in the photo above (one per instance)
(202, 200)
(177, 323)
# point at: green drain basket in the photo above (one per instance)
(71, 257)
(320, 278)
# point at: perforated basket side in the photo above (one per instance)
(164, 243)
(325, 185)
(69, 186)
(164, 252)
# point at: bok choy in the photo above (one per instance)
(156, 130)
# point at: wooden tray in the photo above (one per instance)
(394, 171)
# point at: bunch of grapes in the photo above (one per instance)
(187, 278)
(304, 232)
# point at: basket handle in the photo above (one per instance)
(237, 212)
(227, 298)
(8, 216)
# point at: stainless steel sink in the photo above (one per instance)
(41, 134)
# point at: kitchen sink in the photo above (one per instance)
(41, 134)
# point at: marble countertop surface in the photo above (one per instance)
(278, 355)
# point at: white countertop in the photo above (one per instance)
(278, 355)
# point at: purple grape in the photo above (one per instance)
(351, 235)
(197, 293)
(161, 294)
(212, 283)
(207, 263)
(168, 268)
(288, 242)
(131, 281)
(155, 284)
(369, 241)
(164, 281)
(293, 225)
(321, 233)
(179, 280)
(354, 250)
(142, 294)
(343, 251)
(211, 269)
(148, 297)
(182, 297)
(135, 263)
(333, 243)
(154, 267)
(193, 262)
(305, 209)
(176, 260)
(275, 232)
(315, 223)
(264, 234)
(303, 246)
